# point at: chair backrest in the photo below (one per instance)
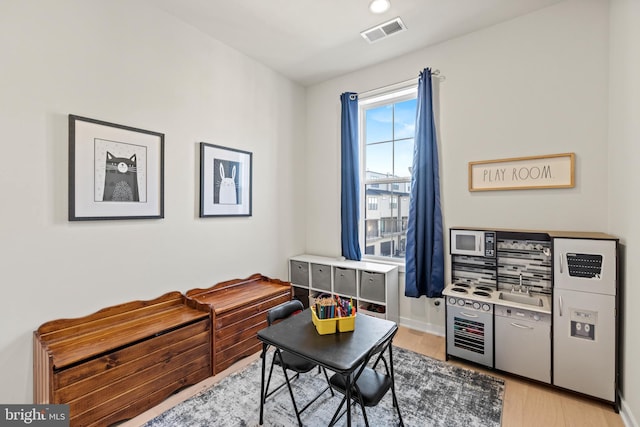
(383, 343)
(284, 310)
(378, 350)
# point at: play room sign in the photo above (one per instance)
(521, 173)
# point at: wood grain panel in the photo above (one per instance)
(111, 364)
(249, 329)
(123, 374)
(238, 311)
(228, 358)
(153, 398)
(122, 360)
(136, 401)
(259, 308)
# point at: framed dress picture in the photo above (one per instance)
(225, 181)
(115, 171)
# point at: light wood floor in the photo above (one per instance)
(526, 404)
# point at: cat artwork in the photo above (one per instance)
(227, 192)
(121, 179)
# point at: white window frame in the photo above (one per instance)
(384, 96)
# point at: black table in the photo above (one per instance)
(341, 352)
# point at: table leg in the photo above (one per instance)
(264, 358)
(348, 395)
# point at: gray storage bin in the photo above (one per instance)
(321, 277)
(344, 281)
(372, 286)
(299, 273)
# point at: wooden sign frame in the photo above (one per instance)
(523, 173)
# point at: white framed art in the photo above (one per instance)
(225, 181)
(115, 171)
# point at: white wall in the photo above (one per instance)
(624, 206)
(121, 62)
(533, 85)
(538, 84)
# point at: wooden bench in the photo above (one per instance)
(238, 311)
(120, 361)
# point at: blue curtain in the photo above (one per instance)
(424, 250)
(350, 183)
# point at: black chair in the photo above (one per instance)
(289, 361)
(369, 385)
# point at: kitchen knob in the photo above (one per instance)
(486, 307)
(460, 302)
(476, 305)
(536, 317)
(452, 300)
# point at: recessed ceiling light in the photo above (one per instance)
(379, 6)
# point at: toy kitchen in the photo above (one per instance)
(537, 304)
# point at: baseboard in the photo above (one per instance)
(627, 416)
(422, 326)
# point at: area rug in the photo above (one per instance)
(431, 393)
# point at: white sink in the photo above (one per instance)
(521, 299)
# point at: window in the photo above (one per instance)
(372, 203)
(394, 201)
(387, 128)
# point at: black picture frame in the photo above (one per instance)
(115, 172)
(225, 181)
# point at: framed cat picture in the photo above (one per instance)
(115, 171)
(225, 181)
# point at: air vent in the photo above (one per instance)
(384, 30)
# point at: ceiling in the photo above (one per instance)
(310, 41)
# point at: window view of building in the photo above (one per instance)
(387, 134)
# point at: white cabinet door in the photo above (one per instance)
(523, 347)
(586, 265)
(584, 343)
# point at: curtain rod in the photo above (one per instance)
(399, 85)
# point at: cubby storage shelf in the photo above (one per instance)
(366, 282)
